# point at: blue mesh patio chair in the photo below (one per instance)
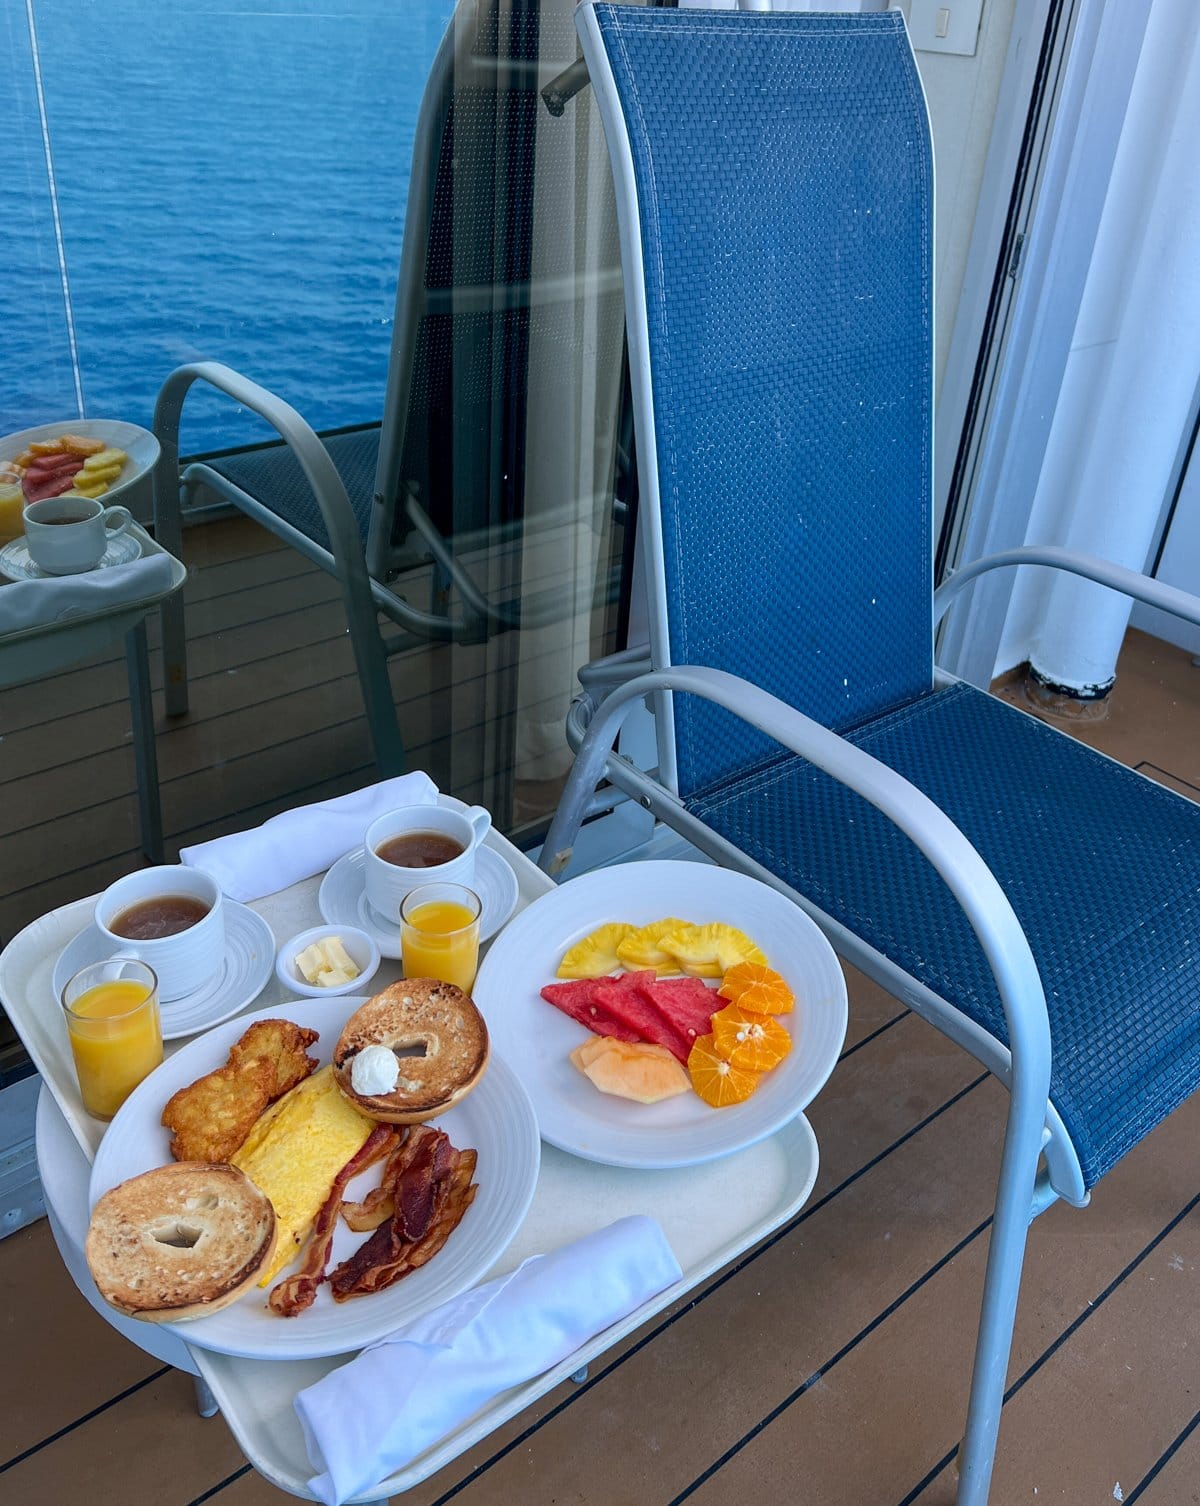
(774, 193)
(409, 513)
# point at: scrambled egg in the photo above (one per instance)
(293, 1153)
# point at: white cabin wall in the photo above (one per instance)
(961, 93)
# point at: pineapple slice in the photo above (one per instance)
(102, 459)
(642, 949)
(708, 951)
(596, 954)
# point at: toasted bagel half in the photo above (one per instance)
(179, 1242)
(440, 1041)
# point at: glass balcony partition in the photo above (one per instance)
(180, 183)
(183, 180)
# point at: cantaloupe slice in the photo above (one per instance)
(585, 1053)
(644, 1073)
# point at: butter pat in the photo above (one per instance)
(326, 963)
(374, 1070)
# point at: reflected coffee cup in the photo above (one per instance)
(173, 919)
(68, 535)
(420, 844)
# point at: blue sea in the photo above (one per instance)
(226, 180)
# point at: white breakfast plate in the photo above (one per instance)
(139, 444)
(682, 1131)
(17, 563)
(247, 969)
(496, 1119)
(343, 898)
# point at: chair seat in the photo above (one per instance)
(1101, 866)
(272, 476)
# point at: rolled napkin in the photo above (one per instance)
(298, 843)
(62, 598)
(397, 1398)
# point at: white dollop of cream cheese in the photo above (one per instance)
(375, 1070)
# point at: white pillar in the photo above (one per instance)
(1147, 269)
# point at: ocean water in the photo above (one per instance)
(230, 179)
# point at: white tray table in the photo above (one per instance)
(710, 1213)
(31, 653)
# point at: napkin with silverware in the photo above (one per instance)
(396, 1399)
(298, 843)
(62, 598)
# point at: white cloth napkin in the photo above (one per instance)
(298, 843)
(59, 598)
(397, 1398)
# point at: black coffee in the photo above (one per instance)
(419, 849)
(165, 916)
(53, 522)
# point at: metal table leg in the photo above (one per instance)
(141, 705)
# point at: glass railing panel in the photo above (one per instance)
(231, 185)
(243, 196)
(36, 368)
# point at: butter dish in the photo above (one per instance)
(360, 947)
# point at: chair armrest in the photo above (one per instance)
(598, 679)
(968, 877)
(1104, 572)
(312, 456)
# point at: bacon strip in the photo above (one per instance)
(432, 1195)
(379, 1204)
(410, 1178)
(417, 1189)
(298, 1291)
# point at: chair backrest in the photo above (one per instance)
(774, 188)
(487, 305)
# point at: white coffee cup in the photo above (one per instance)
(189, 958)
(387, 884)
(67, 535)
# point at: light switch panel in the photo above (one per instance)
(945, 25)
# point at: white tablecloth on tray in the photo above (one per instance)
(294, 845)
(62, 598)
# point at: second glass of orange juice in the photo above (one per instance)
(115, 1031)
(439, 933)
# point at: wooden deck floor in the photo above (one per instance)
(828, 1365)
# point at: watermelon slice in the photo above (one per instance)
(47, 463)
(579, 999)
(687, 1004)
(670, 1012)
(630, 1000)
(38, 488)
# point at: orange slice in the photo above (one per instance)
(717, 1081)
(745, 1039)
(756, 987)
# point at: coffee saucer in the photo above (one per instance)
(17, 563)
(343, 898)
(247, 969)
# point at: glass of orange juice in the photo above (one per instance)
(439, 933)
(115, 1031)
(12, 517)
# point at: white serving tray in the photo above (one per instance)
(709, 1213)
